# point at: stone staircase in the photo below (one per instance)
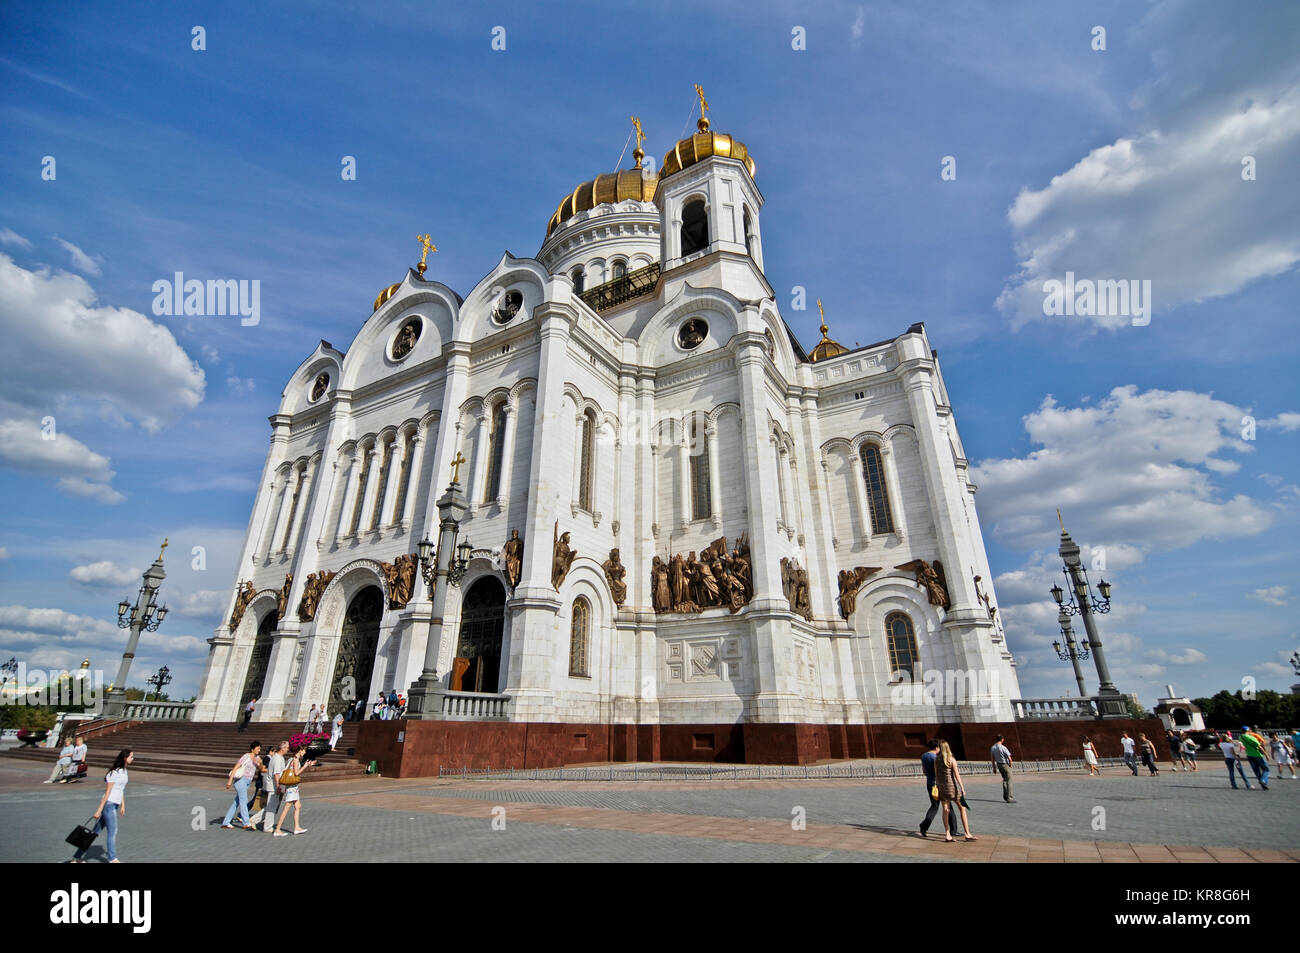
(199, 749)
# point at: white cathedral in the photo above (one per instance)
(756, 534)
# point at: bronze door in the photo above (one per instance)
(356, 658)
(258, 663)
(482, 622)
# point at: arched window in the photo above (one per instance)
(620, 269)
(701, 499)
(903, 655)
(577, 281)
(496, 447)
(586, 475)
(580, 639)
(873, 472)
(749, 234)
(695, 227)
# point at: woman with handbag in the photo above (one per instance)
(111, 806)
(1090, 757)
(290, 778)
(952, 790)
(241, 776)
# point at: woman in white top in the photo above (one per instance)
(111, 806)
(1090, 756)
(337, 731)
(1281, 755)
(291, 795)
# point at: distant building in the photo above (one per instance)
(1178, 713)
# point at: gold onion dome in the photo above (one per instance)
(825, 348)
(703, 144)
(385, 295)
(611, 187)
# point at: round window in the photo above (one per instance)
(318, 389)
(692, 334)
(510, 304)
(404, 343)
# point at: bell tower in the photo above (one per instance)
(707, 198)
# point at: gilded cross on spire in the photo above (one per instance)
(428, 246)
(638, 153)
(161, 551)
(456, 463)
(1059, 520)
(822, 312)
(703, 121)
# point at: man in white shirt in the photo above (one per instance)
(1002, 763)
(63, 764)
(1130, 752)
(1233, 759)
(311, 720)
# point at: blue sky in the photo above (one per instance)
(225, 163)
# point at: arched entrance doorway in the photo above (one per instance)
(356, 658)
(258, 663)
(477, 666)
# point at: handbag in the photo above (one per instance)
(83, 835)
(934, 792)
(288, 778)
(962, 801)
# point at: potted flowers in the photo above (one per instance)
(317, 745)
(34, 736)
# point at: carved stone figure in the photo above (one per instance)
(513, 553)
(794, 583)
(401, 579)
(243, 596)
(282, 599)
(851, 581)
(319, 387)
(562, 557)
(985, 599)
(692, 334)
(929, 578)
(312, 590)
(614, 573)
(660, 595)
(404, 343)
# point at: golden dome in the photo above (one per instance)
(385, 295)
(703, 144)
(825, 348)
(608, 188)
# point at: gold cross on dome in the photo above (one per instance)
(640, 136)
(428, 246)
(822, 312)
(704, 103)
(164, 547)
(456, 465)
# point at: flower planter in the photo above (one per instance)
(32, 738)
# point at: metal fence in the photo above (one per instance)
(861, 770)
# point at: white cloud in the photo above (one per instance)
(81, 471)
(1272, 595)
(54, 622)
(240, 386)
(205, 602)
(1276, 669)
(858, 27)
(4, 553)
(1132, 468)
(1188, 657)
(9, 237)
(1286, 422)
(1168, 205)
(80, 260)
(104, 574)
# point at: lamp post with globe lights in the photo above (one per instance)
(1110, 702)
(146, 614)
(1072, 651)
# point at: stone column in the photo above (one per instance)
(686, 505)
(371, 488)
(715, 499)
(304, 498)
(576, 485)
(279, 534)
(778, 452)
(413, 477)
(760, 466)
(897, 511)
(480, 464)
(509, 420)
(396, 454)
(348, 501)
(859, 478)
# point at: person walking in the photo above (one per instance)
(63, 764)
(311, 720)
(292, 797)
(1229, 749)
(336, 732)
(952, 791)
(927, 768)
(1175, 748)
(1002, 764)
(1189, 752)
(1090, 757)
(274, 789)
(241, 776)
(1148, 751)
(112, 806)
(1254, 745)
(1130, 754)
(248, 714)
(393, 704)
(1281, 756)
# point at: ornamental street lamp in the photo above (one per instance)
(447, 563)
(146, 614)
(1071, 652)
(1110, 703)
(162, 678)
(10, 668)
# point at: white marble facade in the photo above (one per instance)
(351, 478)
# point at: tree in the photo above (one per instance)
(1228, 711)
(1135, 709)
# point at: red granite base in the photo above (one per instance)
(409, 749)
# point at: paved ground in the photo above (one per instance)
(1058, 817)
